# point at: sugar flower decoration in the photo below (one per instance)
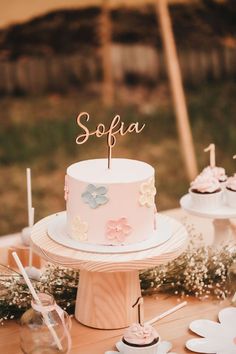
(95, 196)
(118, 230)
(218, 338)
(147, 193)
(66, 188)
(79, 229)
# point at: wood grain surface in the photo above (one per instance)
(108, 299)
(99, 262)
(93, 341)
(109, 285)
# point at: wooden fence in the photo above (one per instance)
(38, 75)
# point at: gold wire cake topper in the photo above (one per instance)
(116, 127)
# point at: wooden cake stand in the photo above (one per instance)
(109, 284)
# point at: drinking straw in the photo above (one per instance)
(37, 300)
(166, 313)
(30, 248)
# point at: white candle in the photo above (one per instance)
(37, 300)
(29, 195)
(211, 148)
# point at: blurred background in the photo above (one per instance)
(58, 58)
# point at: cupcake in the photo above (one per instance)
(140, 339)
(217, 172)
(230, 191)
(206, 192)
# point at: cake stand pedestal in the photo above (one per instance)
(223, 227)
(109, 283)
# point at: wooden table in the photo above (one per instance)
(93, 341)
(173, 328)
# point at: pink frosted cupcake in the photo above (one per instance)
(140, 339)
(206, 192)
(230, 191)
(217, 172)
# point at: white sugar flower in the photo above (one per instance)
(79, 229)
(147, 193)
(218, 338)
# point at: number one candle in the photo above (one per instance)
(139, 303)
(211, 148)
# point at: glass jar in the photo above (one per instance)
(35, 336)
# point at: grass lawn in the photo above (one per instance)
(40, 132)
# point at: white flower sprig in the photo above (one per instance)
(201, 271)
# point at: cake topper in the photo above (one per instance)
(211, 148)
(116, 127)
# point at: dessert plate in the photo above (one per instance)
(223, 212)
(166, 226)
(163, 348)
(217, 338)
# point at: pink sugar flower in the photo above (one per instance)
(118, 230)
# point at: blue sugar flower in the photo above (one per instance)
(95, 196)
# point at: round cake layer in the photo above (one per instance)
(110, 206)
(122, 171)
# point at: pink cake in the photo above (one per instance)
(110, 206)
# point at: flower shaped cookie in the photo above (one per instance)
(218, 338)
(79, 229)
(147, 193)
(118, 230)
(95, 196)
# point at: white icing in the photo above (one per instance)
(205, 183)
(231, 183)
(121, 171)
(140, 335)
(217, 172)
